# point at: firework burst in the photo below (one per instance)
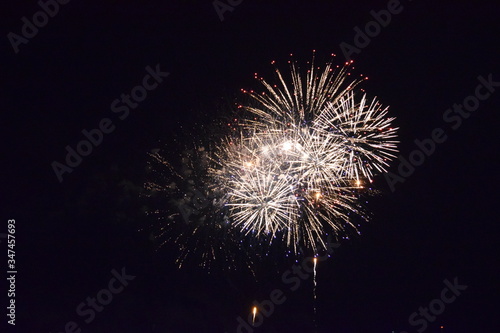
(300, 162)
(292, 171)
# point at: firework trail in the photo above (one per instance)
(315, 261)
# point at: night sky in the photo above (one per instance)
(73, 237)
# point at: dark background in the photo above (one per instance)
(439, 224)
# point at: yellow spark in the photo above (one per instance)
(254, 311)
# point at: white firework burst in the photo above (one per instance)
(298, 166)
